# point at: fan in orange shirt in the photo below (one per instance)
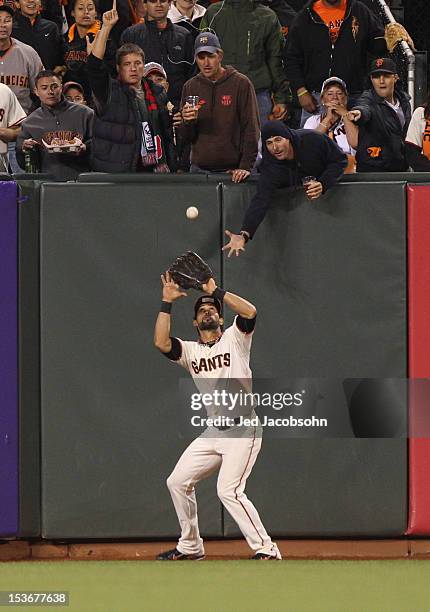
(332, 12)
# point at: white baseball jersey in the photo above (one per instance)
(19, 67)
(227, 358)
(339, 134)
(223, 367)
(11, 115)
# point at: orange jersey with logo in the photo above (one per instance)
(332, 17)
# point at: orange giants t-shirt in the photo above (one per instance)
(332, 16)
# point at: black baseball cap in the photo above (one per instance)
(383, 64)
(207, 299)
(206, 41)
(7, 9)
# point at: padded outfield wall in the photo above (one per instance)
(329, 281)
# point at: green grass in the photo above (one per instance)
(224, 586)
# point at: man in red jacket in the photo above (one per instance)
(221, 122)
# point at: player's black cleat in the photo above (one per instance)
(264, 557)
(176, 555)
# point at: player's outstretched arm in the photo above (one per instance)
(171, 292)
(237, 304)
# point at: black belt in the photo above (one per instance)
(236, 421)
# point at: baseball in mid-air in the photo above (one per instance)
(192, 212)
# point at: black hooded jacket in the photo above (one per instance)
(311, 57)
(314, 155)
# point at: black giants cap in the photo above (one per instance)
(207, 299)
(383, 64)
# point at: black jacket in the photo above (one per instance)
(381, 138)
(43, 35)
(172, 47)
(53, 11)
(311, 58)
(117, 125)
(314, 155)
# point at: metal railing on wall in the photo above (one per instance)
(403, 53)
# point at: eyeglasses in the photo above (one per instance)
(158, 1)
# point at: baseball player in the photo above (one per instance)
(231, 449)
(11, 115)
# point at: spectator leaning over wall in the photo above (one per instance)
(252, 42)
(41, 34)
(382, 114)
(132, 130)
(222, 123)
(331, 37)
(290, 158)
(333, 119)
(167, 44)
(11, 116)
(418, 139)
(59, 124)
(79, 40)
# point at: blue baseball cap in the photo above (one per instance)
(206, 41)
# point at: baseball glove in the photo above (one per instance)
(394, 33)
(189, 271)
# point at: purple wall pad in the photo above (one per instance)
(8, 360)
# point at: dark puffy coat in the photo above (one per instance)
(311, 57)
(172, 47)
(117, 125)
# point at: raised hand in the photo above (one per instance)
(110, 18)
(171, 291)
(236, 243)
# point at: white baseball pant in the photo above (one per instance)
(235, 457)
